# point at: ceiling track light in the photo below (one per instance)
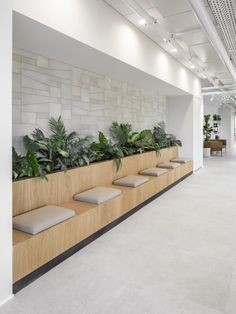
(164, 34)
(142, 22)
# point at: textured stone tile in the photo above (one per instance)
(54, 110)
(28, 60)
(16, 82)
(28, 117)
(22, 129)
(66, 91)
(43, 124)
(16, 57)
(24, 53)
(36, 108)
(16, 114)
(33, 84)
(57, 65)
(42, 62)
(34, 99)
(76, 76)
(88, 101)
(16, 66)
(37, 76)
(42, 115)
(66, 114)
(85, 94)
(76, 91)
(55, 91)
(62, 74)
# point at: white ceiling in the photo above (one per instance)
(178, 18)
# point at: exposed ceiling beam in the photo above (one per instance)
(188, 32)
(231, 92)
(217, 87)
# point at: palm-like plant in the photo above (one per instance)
(60, 150)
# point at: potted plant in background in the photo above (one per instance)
(207, 130)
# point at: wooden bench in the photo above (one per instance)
(34, 251)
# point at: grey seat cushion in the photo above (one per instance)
(168, 165)
(156, 172)
(97, 195)
(41, 218)
(181, 160)
(131, 181)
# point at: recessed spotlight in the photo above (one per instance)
(142, 22)
(212, 98)
(192, 66)
(174, 49)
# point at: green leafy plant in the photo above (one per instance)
(132, 142)
(164, 139)
(207, 130)
(104, 149)
(25, 166)
(143, 141)
(61, 150)
(58, 151)
(121, 134)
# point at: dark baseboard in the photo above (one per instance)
(22, 283)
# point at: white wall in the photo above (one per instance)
(197, 132)
(185, 121)
(5, 144)
(227, 126)
(210, 109)
(96, 24)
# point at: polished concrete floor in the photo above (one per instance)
(176, 255)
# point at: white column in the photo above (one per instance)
(197, 132)
(185, 122)
(227, 126)
(5, 156)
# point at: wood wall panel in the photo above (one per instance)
(32, 193)
(33, 251)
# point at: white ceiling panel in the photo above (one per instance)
(171, 7)
(183, 21)
(178, 19)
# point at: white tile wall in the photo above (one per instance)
(87, 101)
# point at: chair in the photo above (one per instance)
(224, 142)
(216, 146)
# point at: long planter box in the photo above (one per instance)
(32, 193)
(31, 252)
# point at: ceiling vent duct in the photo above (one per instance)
(224, 14)
(207, 24)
